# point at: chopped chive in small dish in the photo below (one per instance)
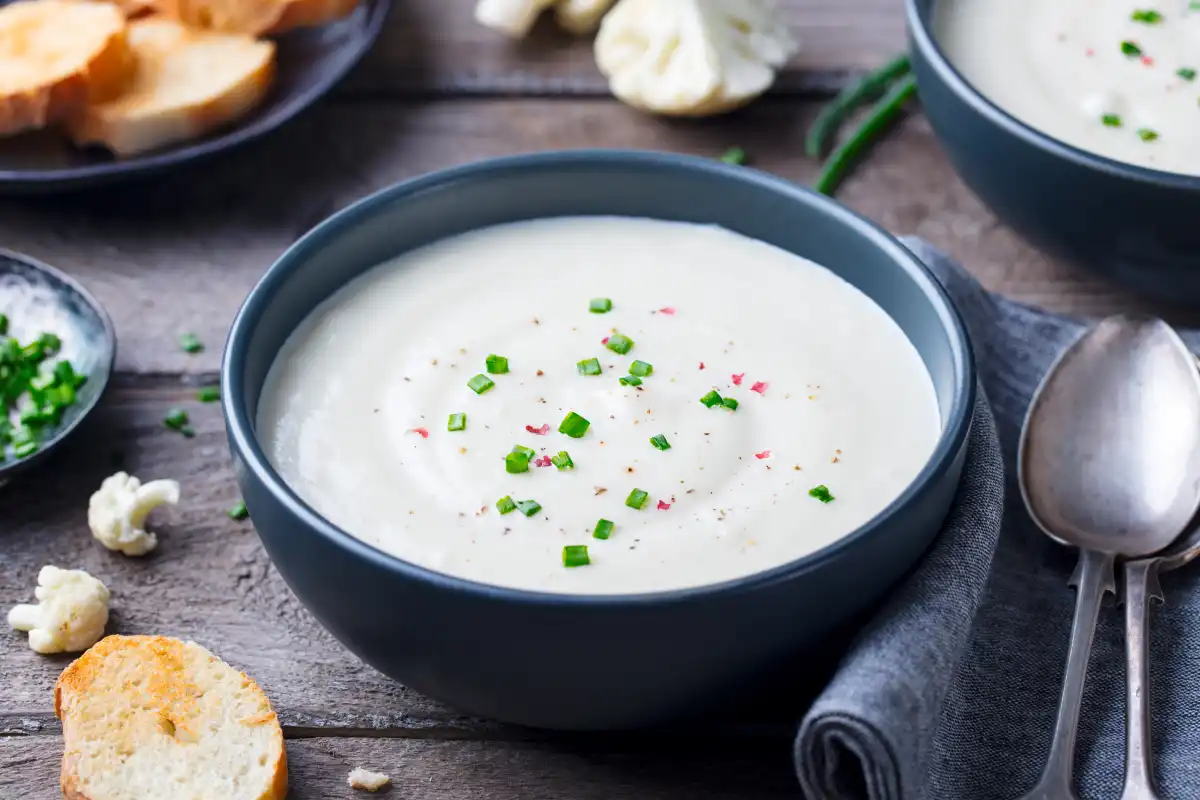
(528, 507)
(660, 442)
(575, 555)
(821, 493)
(603, 530)
(457, 422)
(640, 369)
(506, 505)
(712, 399)
(497, 365)
(574, 425)
(600, 305)
(562, 460)
(630, 380)
(637, 498)
(589, 366)
(619, 343)
(480, 383)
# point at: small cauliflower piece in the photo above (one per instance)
(70, 614)
(117, 512)
(692, 57)
(515, 17)
(366, 780)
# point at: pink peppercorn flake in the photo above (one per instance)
(701, 365)
(763, 454)
(737, 379)
(424, 434)
(544, 461)
(760, 387)
(604, 340)
(1089, 52)
(1148, 61)
(663, 506)
(542, 431)
(668, 310)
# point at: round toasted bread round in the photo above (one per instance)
(55, 57)
(255, 17)
(150, 716)
(188, 84)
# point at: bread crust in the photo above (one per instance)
(100, 73)
(87, 674)
(255, 17)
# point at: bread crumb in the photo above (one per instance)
(366, 780)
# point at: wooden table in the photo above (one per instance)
(180, 255)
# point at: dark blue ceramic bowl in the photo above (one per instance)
(1134, 225)
(588, 662)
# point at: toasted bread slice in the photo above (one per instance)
(133, 8)
(153, 717)
(188, 83)
(55, 57)
(255, 17)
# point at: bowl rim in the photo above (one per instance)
(920, 21)
(245, 445)
(9, 469)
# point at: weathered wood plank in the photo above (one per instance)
(436, 46)
(427, 770)
(179, 255)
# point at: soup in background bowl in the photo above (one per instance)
(767, 522)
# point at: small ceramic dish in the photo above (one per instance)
(39, 299)
(1134, 225)
(589, 662)
(309, 64)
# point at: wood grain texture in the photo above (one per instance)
(457, 770)
(436, 46)
(180, 254)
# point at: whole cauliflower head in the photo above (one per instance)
(692, 57)
(70, 614)
(117, 512)
(516, 17)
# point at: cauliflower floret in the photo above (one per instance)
(70, 614)
(692, 57)
(516, 17)
(117, 512)
(366, 780)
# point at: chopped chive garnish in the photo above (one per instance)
(603, 530)
(1111, 120)
(528, 507)
(515, 463)
(457, 422)
(729, 403)
(619, 343)
(190, 343)
(1147, 134)
(480, 383)
(521, 449)
(208, 394)
(176, 419)
(574, 425)
(712, 399)
(25, 449)
(821, 493)
(589, 366)
(188, 432)
(1147, 15)
(1187, 73)
(600, 305)
(631, 380)
(736, 156)
(562, 460)
(497, 365)
(3, 324)
(576, 555)
(641, 369)
(1130, 49)
(238, 511)
(505, 505)
(637, 498)
(660, 442)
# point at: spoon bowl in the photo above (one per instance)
(1115, 466)
(37, 299)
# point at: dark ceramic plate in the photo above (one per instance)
(309, 63)
(38, 299)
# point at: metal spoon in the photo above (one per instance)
(39, 299)
(1109, 462)
(1141, 584)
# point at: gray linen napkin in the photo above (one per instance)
(950, 693)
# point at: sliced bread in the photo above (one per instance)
(255, 17)
(188, 84)
(55, 57)
(153, 717)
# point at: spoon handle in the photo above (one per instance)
(1139, 763)
(1093, 577)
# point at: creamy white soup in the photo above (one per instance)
(1114, 77)
(599, 405)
